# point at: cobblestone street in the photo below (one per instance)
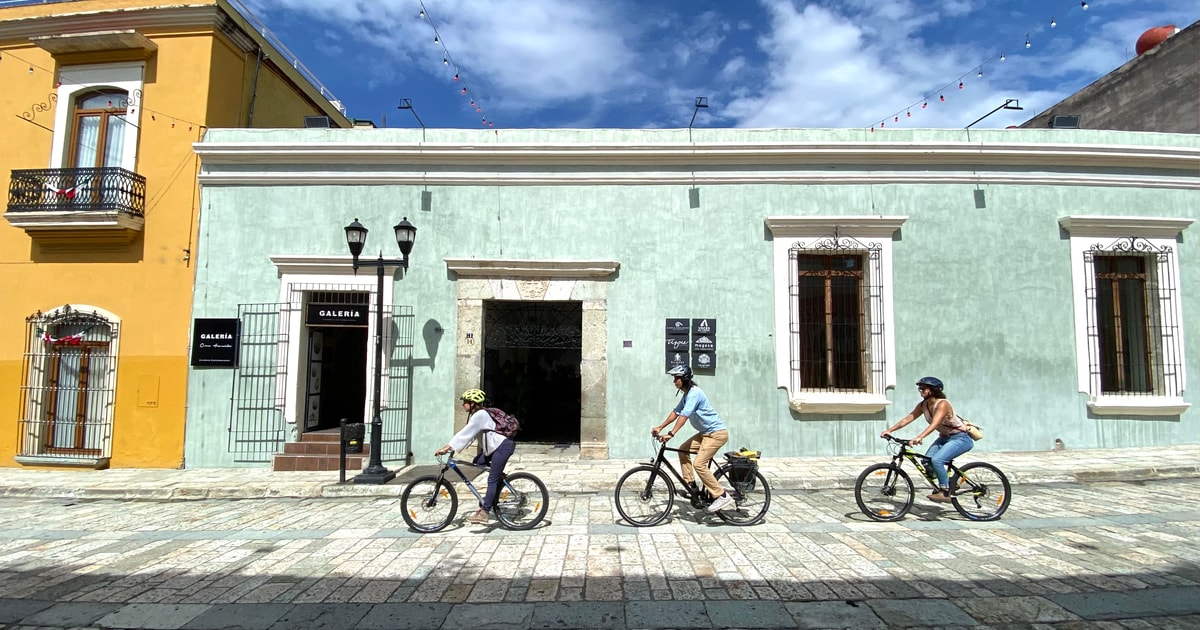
(1065, 555)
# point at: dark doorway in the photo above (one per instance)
(531, 357)
(337, 376)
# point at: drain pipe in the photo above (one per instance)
(254, 89)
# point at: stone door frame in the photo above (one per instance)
(479, 280)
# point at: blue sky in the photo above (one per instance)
(760, 63)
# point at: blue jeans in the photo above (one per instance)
(496, 463)
(945, 449)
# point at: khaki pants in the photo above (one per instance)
(704, 445)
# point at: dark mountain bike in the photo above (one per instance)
(645, 493)
(884, 492)
(430, 502)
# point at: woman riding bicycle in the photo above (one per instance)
(952, 434)
(711, 437)
(494, 448)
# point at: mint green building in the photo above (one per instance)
(809, 276)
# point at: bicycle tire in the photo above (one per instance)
(424, 503)
(644, 496)
(985, 495)
(884, 492)
(752, 506)
(522, 501)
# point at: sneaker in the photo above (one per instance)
(940, 497)
(480, 516)
(720, 503)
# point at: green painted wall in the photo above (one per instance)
(983, 296)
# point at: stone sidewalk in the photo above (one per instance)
(569, 475)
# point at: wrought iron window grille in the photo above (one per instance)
(837, 343)
(1133, 332)
(68, 389)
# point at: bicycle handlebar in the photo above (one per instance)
(892, 438)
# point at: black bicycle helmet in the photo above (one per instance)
(682, 371)
(931, 381)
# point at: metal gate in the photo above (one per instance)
(256, 425)
(398, 384)
(257, 428)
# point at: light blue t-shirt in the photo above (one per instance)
(700, 414)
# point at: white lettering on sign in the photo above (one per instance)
(340, 313)
(216, 336)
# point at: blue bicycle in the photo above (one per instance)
(429, 503)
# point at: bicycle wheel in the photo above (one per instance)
(522, 501)
(752, 500)
(884, 492)
(428, 504)
(644, 497)
(981, 492)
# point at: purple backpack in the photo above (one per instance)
(506, 425)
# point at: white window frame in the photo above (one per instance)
(1085, 233)
(76, 80)
(809, 232)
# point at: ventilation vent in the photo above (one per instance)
(316, 122)
(1064, 122)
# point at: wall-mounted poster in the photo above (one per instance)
(215, 342)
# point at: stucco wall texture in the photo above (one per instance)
(981, 271)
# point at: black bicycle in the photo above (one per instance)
(430, 502)
(645, 494)
(884, 492)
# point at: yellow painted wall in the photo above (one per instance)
(196, 79)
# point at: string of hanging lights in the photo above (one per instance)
(448, 60)
(923, 102)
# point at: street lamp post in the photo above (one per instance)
(1009, 103)
(356, 239)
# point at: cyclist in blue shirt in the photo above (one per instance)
(711, 436)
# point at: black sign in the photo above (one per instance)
(215, 342)
(704, 327)
(675, 359)
(678, 326)
(337, 315)
(677, 344)
(704, 343)
(704, 360)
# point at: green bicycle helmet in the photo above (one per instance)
(474, 396)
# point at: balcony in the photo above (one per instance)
(73, 204)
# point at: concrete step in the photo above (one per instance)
(288, 462)
(320, 448)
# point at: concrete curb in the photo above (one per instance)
(349, 490)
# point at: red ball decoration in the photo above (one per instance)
(1154, 37)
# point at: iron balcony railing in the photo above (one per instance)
(108, 189)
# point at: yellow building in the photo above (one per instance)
(101, 102)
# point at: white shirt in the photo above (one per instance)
(479, 422)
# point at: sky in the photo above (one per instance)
(759, 63)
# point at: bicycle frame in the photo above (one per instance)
(452, 464)
(922, 463)
(660, 460)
